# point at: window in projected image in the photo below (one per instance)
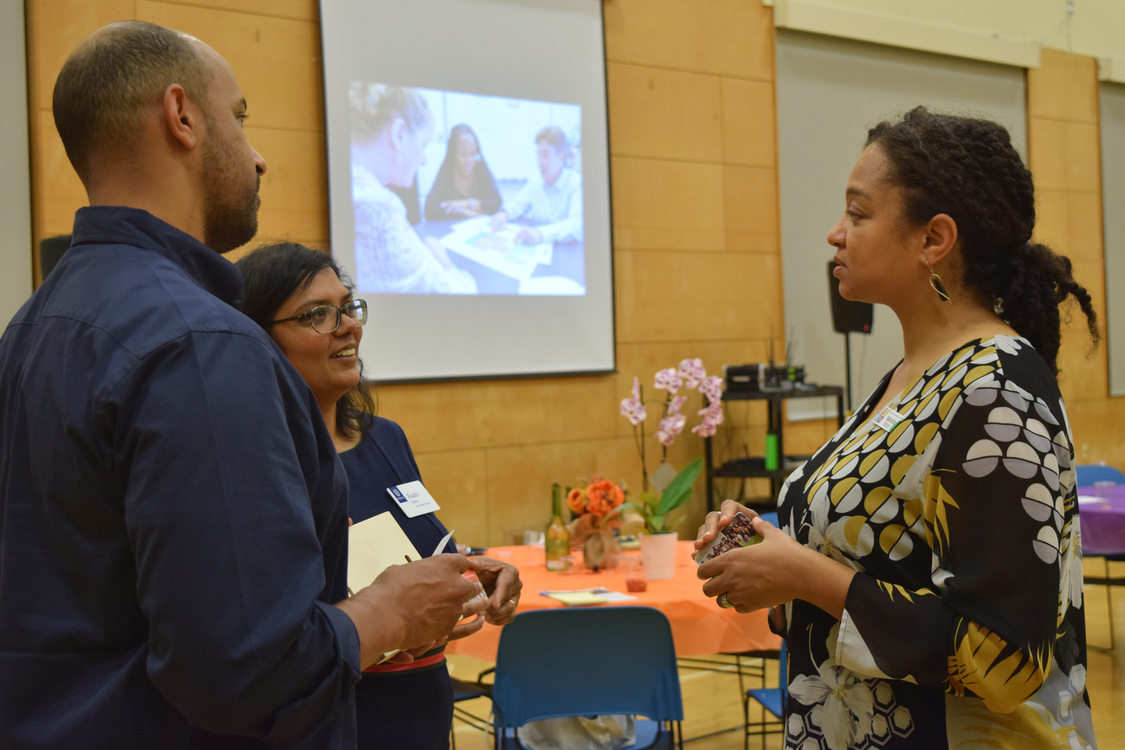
(457, 193)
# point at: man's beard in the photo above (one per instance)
(229, 220)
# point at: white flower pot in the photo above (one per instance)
(659, 554)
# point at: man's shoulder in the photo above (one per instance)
(140, 298)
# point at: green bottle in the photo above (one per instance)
(557, 538)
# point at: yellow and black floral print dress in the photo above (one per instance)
(964, 627)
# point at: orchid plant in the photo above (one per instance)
(674, 491)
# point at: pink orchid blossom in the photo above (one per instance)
(632, 408)
(670, 428)
(704, 429)
(692, 372)
(669, 380)
(712, 416)
(712, 387)
(675, 405)
(690, 375)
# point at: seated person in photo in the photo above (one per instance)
(464, 185)
(551, 202)
(296, 294)
(391, 127)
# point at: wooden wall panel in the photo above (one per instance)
(751, 216)
(668, 205)
(1064, 156)
(1059, 89)
(295, 187)
(277, 60)
(1071, 222)
(682, 296)
(749, 123)
(665, 114)
(727, 37)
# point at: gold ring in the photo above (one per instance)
(723, 601)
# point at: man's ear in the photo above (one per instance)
(398, 132)
(181, 116)
(940, 238)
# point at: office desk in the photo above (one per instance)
(699, 626)
(1101, 517)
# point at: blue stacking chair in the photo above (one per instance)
(1089, 474)
(583, 661)
(1086, 476)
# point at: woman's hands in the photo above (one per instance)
(461, 207)
(775, 571)
(502, 583)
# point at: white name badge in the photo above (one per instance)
(888, 419)
(414, 499)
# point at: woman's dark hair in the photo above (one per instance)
(274, 273)
(967, 168)
(447, 163)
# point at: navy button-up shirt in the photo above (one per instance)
(173, 515)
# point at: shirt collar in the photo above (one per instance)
(120, 225)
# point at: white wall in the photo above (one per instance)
(15, 172)
(829, 93)
(1085, 27)
(1112, 106)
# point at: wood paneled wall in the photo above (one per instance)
(1065, 156)
(695, 225)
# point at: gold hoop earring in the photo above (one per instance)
(936, 285)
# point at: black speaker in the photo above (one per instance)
(847, 316)
(50, 250)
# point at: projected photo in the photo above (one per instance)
(458, 193)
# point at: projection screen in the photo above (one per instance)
(469, 183)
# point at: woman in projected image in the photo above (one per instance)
(298, 296)
(390, 129)
(464, 185)
(551, 202)
(929, 564)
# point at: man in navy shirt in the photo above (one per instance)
(173, 515)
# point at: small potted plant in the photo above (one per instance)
(665, 490)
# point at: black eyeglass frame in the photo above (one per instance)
(356, 310)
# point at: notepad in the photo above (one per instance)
(586, 597)
(375, 544)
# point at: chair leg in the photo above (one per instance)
(1108, 600)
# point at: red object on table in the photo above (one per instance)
(1101, 517)
(699, 625)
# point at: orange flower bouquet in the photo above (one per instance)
(597, 509)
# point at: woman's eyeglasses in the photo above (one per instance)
(326, 318)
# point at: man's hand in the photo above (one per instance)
(408, 606)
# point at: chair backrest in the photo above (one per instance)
(586, 660)
(1088, 474)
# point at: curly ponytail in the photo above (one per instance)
(967, 168)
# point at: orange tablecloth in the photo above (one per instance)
(699, 626)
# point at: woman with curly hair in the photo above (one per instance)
(928, 575)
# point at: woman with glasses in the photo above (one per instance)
(297, 294)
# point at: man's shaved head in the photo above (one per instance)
(112, 76)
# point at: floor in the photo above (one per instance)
(713, 711)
